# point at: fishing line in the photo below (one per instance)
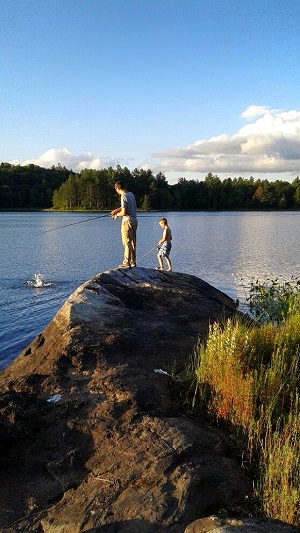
(72, 224)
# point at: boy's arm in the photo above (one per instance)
(164, 237)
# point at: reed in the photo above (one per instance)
(278, 484)
(248, 376)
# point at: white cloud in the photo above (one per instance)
(254, 111)
(269, 144)
(67, 159)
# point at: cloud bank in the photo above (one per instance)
(65, 158)
(268, 143)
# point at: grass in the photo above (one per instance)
(278, 485)
(247, 376)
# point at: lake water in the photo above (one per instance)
(222, 248)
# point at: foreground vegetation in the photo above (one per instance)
(246, 378)
(33, 187)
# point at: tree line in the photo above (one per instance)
(30, 186)
(34, 187)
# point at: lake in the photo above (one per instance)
(226, 249)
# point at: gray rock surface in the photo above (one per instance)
(91, 439)
(214, 524)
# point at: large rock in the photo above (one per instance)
(91, 439)
(214, 524)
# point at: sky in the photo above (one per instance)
(183, 87)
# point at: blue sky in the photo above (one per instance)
(184, 87)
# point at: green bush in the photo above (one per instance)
(247, 375)
(273, 300)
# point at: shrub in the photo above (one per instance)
(274, 300)
(248, 376)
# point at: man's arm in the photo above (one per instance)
(122, 210)
(119, 212)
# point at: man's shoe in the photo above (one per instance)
(123, 265)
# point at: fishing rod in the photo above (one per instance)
(139, 258)
(81, 221)
(72, 224)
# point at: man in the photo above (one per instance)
(128, 212)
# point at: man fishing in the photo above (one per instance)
(128, 212)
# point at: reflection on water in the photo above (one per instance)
(226, 249)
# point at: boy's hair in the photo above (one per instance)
(164, 220)
(119, 185)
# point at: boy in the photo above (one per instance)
(164, 245)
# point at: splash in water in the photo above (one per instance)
(38, 282)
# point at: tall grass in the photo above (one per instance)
(278, 485)
(247, 375)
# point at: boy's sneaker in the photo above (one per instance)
(124, 265)
(133, 265)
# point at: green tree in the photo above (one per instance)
(146, 205)
(213, 187)
(297, 196)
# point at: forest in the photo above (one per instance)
(33, 187)
(29, 187)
